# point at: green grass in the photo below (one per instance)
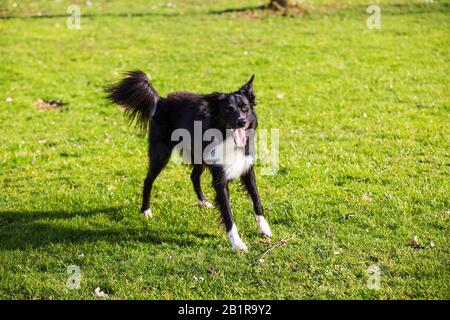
(363, 112)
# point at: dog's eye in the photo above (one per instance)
(244, 108)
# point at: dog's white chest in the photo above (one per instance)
(233, 159)
(237, 165)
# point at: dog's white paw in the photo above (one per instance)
(205, 204)
(236, 241)
(148, 213)
(240, 246)
(263, 226)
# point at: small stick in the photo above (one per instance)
(278, 244)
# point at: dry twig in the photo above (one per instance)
(276, 245)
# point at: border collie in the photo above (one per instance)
(228, 153)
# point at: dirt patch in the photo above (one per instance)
(263, 11)
(46, 105)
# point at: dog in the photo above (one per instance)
(229, 115)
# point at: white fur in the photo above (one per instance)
(263, 226)
(236, 241)
(148, 213)
(233, 159)
(205, 204)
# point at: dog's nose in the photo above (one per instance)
(241, 122)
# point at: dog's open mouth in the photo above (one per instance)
(239, 136)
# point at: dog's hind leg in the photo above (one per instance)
(195, 177)
(249, 182)
(159, 156)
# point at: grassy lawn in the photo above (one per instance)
(364, 151)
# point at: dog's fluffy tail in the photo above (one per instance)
(136, 94)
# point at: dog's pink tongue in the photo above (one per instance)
(239, 137)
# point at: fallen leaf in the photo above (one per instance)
(366, 197)
(99, 294)
(44, 105)
(212, 271)
(200, 279)
(414, 241)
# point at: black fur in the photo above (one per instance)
(161, 116)
(137, 95)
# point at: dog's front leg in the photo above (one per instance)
(249, 181)
(223, 201)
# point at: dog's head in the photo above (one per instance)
(236, 112)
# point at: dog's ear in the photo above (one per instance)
(247, 90)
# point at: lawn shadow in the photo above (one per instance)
(92, 15)
(237, 9)
(35, 229)
(261, 10)
(390, 9)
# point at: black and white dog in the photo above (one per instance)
(227, 115)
